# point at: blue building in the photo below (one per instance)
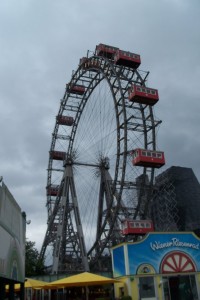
(159, 266)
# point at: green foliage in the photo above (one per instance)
(33, 265)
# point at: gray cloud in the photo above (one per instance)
(41, 43)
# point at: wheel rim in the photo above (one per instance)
(177, 262)
(105, 125)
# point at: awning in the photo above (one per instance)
(82, 279)
(30, 283)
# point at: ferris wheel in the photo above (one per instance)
(102, 158)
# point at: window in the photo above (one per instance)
(136, 56)
(183, 287)
(146, 286)
(121, 292)
(138, 89)
(148, 153)
(131, 224)
(159, 155)
(154, 154)
(144, 153)
(125, 225)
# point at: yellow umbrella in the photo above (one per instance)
(82, 279)
(34, 283)
(30, 283)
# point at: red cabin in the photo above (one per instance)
(76, 89)
(137, 227)
(57, 155)
(83, 60)
(106, 50)
(93, 64)
(127, 59)
(143, 95)
(148, 158)
(65, 120)
(52, 190)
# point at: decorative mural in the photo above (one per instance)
(158, 253)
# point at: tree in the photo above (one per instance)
(33, 265)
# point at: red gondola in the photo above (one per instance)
(148, 158)
(57, 155)
(76, 89)
(106, 50)
(52, 190)
(83, 60)
(127, 59)
(93, 64)
(143, 95)
(137, 227)
(65, 120)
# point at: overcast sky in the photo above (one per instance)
(41, 43)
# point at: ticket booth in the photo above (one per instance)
(159, 266)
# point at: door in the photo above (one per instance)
(180, 288)
(147, 288)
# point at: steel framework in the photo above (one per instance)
(97, 185)
(164, 208)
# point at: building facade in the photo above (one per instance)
(12, 239)
(160, 266)
(176, 202)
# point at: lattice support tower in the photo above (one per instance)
(164, 204)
